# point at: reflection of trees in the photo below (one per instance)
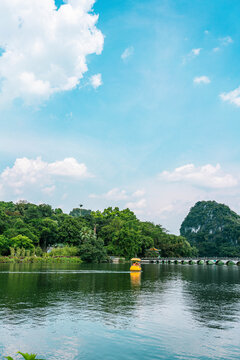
(40, 294)
(212, 294)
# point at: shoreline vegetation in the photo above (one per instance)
(39, 233)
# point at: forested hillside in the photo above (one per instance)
(96, 234)
(213, 228)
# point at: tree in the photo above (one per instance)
(48, 232)
(21, 241)
(92, 249)
(69, 231)
(4, 245)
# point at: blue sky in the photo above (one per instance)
(152, 123)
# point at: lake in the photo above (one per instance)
(72, 312)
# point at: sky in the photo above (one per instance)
(125, 103)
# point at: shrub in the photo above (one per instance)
(21, 241)
(12, 251)
(28, 252)
(18, 252)
(23, 252)
(65, 251)
(38, 251)
(4, 245)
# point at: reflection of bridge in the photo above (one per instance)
(192, 261)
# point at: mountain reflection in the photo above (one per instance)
(213, 294)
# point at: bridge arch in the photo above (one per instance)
(209, 262)
(219, 262)
(230, 262)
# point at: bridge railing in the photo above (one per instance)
(193, 258)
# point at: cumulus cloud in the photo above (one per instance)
(201, 80)
(96, 80)
(26, 172)
(206, 176)
(44, 50)
(233, 97)
(127, 53)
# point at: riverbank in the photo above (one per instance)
(39, 259)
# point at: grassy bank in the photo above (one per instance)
(40, 259)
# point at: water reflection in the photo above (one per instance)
(167, 311)
(135, 279)
(213, 295)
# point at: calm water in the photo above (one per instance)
(77, 312)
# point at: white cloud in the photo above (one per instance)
(113, 194)
(206, 176)
(26, 172)
(117, 194)
(96, 80)
(140, 204)
(68, 167)
(196, 52)
(138, 193)
(233, 97)
(127, 53)
(49, 190)
(226, 40)
(201, 80)
(45, 49)
(191, 55)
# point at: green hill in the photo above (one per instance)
(213, 228)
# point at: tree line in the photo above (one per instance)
(97, 235)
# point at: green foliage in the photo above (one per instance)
(21, 241)
(28, 356)
(69, 231)
(12, 251)
(25, 356)
(38, 251)
(76, 212)
(65, 251)
(213, 228)
(27, 230)
(4, 245)
(92, 248)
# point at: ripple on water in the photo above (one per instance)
(169, 312)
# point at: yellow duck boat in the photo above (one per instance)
(135, 264)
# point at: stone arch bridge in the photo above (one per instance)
(192, 261)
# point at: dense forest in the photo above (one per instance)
(213, 228)
(96, 235)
